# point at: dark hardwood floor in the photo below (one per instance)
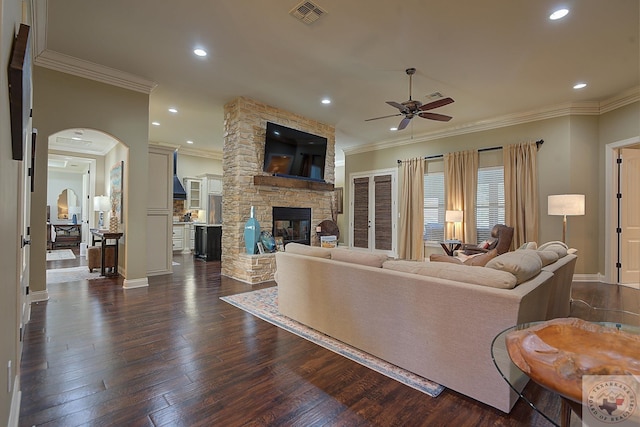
(174, 354)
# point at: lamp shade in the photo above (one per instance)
(453, 216)
(566, 204)
(101, 204)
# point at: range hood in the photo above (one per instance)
(178, 189)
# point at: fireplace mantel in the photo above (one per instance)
(281, 181)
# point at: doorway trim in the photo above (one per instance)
(610, 212)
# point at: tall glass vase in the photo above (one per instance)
(251, 233)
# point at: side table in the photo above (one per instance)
(451, 245)
(518, 379)
(103, 236)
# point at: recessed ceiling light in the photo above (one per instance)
(579, 85)
(393, 129)
(200, 52)
(155, 123)
(560, 13)
(173, 110)
(189, 142)
(326, 101)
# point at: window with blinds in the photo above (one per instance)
(489, 201)
(434, 208)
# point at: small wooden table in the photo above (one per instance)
(451, 245)
(103, 236)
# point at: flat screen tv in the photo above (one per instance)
(293, 153)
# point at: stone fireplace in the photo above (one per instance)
(292, 224)
(245, 184)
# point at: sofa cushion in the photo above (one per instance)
(521, 263)
(459, 273)
(300, 249)
(357, 257)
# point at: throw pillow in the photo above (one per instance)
(529, 245)
(444, 258)
(522, 264)
(356, 257)
(300, 249)
(558, 247)
(482, 259)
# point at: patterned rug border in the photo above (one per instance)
(268, 297)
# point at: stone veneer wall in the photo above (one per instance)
(245, 122)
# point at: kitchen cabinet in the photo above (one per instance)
(214, 185)
(182, 237)
(178, 237)
(193, 187)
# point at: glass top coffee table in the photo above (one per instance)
(518, 379)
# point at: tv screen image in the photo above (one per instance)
(293, 153)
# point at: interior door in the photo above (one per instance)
(629, 217)
(25, 187)
(373, 211)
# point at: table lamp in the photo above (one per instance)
(565, 205)
(454, 217)
(101, 204)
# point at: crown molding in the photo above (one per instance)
(586, 108)
(625, 98)
(209, 154)
(89, 70)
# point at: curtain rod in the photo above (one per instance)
(480, 150)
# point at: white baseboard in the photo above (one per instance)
(587, 277)
(14, 411)
(135, 283)
(36, 296)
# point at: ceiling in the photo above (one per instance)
(495, 58)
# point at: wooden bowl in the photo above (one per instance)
(557, 353)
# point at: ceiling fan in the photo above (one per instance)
(411, 108)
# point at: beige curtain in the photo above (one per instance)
(521, 191)
(461, 186)
(412, 210)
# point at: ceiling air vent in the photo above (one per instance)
(307, 12)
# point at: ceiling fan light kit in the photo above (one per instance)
(413, 108)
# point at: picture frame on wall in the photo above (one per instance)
(116, 180)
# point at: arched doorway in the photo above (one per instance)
(79, 164)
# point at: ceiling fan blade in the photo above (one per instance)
(383, 117)
(399, 106)
(403, 124)
(437, 103)
(435, 116)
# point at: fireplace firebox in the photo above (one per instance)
(292, 224)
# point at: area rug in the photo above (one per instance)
(72, 274)
(59, 254)
(263, 304)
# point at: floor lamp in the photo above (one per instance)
(454, 217)
(565, 205)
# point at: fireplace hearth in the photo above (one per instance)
(292, 224)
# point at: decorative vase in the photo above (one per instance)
(251, 233)
(113, 222)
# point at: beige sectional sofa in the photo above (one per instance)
(436, 320)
